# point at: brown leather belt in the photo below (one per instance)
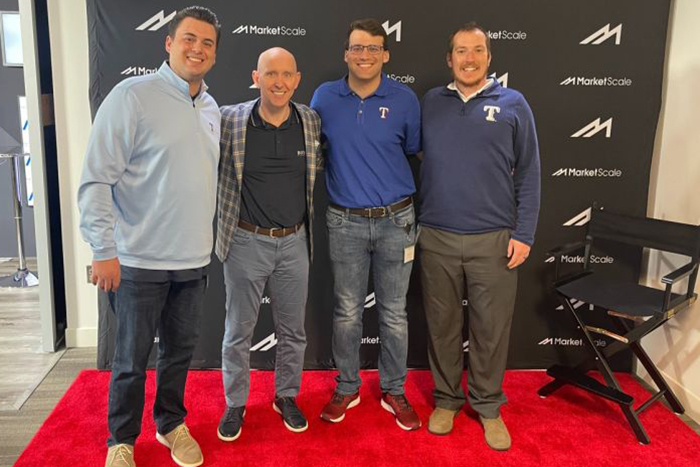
(381, 211)
(275, 232)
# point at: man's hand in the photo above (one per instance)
(106, 274)
(517, 252)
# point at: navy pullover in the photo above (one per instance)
(481, 167)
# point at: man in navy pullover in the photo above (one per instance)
(480, 196)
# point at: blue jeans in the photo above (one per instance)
(173, 309)
(356, 243)
(253, 261)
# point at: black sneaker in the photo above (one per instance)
(294, 420)
(230, 424)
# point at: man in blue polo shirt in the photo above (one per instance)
(369, 123)
(480, 198)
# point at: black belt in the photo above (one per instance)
(381, 211)
(275, 232)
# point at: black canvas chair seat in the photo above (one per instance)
(630, 310)
(610, 294)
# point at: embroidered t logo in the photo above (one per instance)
(490, 111)
(383, 111)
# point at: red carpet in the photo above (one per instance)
(569, 428)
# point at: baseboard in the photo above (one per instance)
(81, 337)
(690, 401)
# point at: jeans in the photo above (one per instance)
(357, 242)
(283, 264)
(141, 308)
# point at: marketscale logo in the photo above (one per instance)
(257, 30)
(594, 128)
(465, 346)
(156, 21)
(578, 259)
(569, 342)
(603, 34)
(405, 79)
(580, 219)
(576, 304)
(606, 81)
(395, 29)
(504, 35)
(265, 344)
(138, 71)
(574, 172)
(502, 80)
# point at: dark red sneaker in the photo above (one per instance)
(406, 417)
(334, 411)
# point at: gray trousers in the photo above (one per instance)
(449, 263)
(253, 261)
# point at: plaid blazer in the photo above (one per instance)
(234, 123)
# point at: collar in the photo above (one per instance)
(382, 90)
(170, 77)
(489, 82)
(258, 122)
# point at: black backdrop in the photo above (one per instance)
(592, 72)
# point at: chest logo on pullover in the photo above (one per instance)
(383, 112)
(490, 111)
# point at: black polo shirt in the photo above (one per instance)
(274, 174)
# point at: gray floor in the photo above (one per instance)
(22, 361)
(17, 427)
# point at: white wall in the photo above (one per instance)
(69, 59)
(674, 195)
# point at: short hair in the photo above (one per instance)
(195, 12)
(370, 25)
(467, 27)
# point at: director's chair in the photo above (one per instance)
(633, 309)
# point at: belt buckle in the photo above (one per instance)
(272, 231)
(383, 211)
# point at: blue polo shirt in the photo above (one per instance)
(367, 141)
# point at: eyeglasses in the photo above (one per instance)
(372, 49)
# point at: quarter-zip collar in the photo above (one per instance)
(169, 76)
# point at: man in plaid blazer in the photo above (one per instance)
(270, 153)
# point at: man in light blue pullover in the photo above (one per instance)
(147, 199)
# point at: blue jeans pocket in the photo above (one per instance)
(334, 219)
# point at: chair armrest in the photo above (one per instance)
(569, 247)
(673, 277)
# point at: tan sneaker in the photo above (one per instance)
(120, 455)
(441, 421)
(496, 433)
(183, 448)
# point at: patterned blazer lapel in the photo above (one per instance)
(240, 126)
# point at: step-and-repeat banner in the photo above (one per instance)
(591, 70)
